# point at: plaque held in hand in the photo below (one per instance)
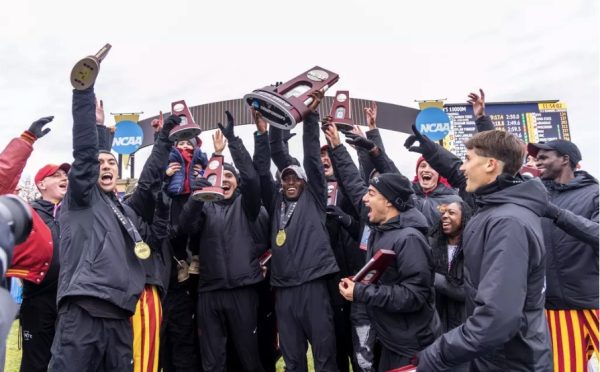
(187, 129)
(341, 111)
(214, 175)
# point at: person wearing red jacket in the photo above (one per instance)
(35, 260)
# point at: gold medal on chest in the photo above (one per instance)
(142, 250)
(280, 238)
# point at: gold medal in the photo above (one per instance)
(142, 250)
(280, 238)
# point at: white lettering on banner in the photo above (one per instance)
(127, 141)
(435, 127)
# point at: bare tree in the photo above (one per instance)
(27, 190)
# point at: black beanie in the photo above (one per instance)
(396, 188)
(231, 168)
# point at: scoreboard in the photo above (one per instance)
(530, 121)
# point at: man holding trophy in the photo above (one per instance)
(103, 246)
(229, 268)
(302, 255)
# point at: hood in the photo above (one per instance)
(43, 206)
(440, 189)
(582, 179)
(409, 218)
(530, 194)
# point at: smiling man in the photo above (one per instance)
(504, 267)
(571, 238)
(431, 190)
(400, 306)
(302, 255)
(102, 249)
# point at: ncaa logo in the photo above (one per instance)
(128, 137)
(434, 123)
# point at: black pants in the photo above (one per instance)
(390, 360)
(223, 314)
(178, 343)
(304, 313)
(38, 319)
(86, 343)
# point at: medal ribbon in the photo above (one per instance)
(284, 218)
(125, 221)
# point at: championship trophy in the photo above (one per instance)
(214, 175)
(285, 105)
(188, 128)
(373, 270)
(331, 192)
(340, 111)
(84, 73)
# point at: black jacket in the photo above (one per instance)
(401, 304)
(46, 210)
(96, 254)
(228, 254)
(572, 244)
(449, 282)
(504, 282)
(306, 254)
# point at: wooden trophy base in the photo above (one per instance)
(84, 73)
(184, 132)
(343, 125)
(208, 194)
(274, 110)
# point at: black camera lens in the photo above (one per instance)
(17, 215)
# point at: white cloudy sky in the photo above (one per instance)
(210, 51)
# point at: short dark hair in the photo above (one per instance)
(501, 146)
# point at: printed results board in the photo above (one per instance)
(530, 121)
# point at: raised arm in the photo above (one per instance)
(312, 151)
(262, 164)
(250, 182)
(149, 184)
(346, 172)
(14, 156)
(83, 175)
(482, 121)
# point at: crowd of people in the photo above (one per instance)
(493, 271)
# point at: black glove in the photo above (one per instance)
(228, 130)
(426, 146)
(171, 122)
(359, 141)
(340, 216)
(199, 183)
(287, 135)
(37, 126)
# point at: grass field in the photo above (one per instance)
(13, 354)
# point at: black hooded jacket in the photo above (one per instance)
(504, 282)
(306, 254)
(97, 258)
(401, 304)
(572, 244)
(227, 230)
